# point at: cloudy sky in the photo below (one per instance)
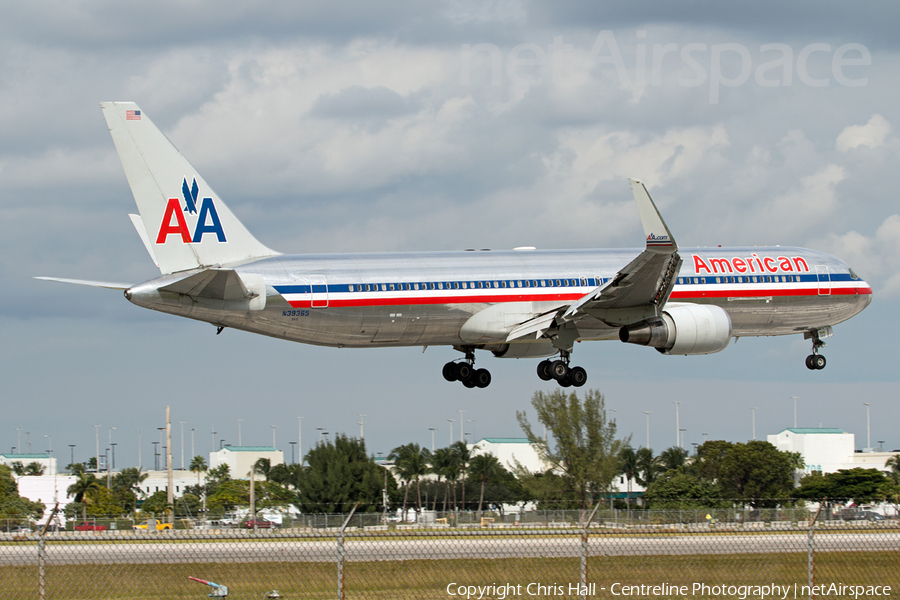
(439, 126)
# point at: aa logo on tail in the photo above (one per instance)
(207, 221)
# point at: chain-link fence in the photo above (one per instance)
(499, 560)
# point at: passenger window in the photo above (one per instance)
(350, 287)
(391, 287)
(415, 286)
(718, 280)
(558, 283)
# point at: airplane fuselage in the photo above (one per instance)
(425, 299)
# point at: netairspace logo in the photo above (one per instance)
(716, 65)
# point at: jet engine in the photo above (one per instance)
(682, 329)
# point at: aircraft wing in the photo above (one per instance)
(637, 292)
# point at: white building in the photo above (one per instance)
(827, 449)
(510, 451)
(240, 459)
(46, 460)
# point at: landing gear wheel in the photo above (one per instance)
(469, 383)
(543, 370)
(482, 378)
(449, 371)
(565, 381)
(559, 370)
(815, 362)
(578, 376)
(464, 372)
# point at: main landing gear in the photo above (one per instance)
(466, 373)
(815, 361)
(561, 371)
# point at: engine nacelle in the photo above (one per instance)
(682, 329)
(538, 349)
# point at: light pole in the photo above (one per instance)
(450, 421)
(97, 440)
(212, 437)
(155, 456)
(753, 416)
(273, 434)
(461, 426)
(240, 441)
(182, 443)
(795, 398)
(140, 462)
(114, 444)
(292, 450)
(681, 443)
(362, 422)
(677, 404)
(72, 454)
(648, 413)
(160, 430)
(431, 429)
(192, 445)
(300, 440)
(320, 430)
(19, 440)
(868, 426)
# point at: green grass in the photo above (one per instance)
(429, 578)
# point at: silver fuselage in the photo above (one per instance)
(427, 299)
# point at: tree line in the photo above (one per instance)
(581, 450)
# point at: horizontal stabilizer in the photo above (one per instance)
(100, 284)
(213, 284)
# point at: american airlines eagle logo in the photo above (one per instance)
(174, 222)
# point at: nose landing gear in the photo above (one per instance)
(815, 361)
(561, 371)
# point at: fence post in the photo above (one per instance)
(340, 552)
(42, 592)
(584, 552)
(810, 563)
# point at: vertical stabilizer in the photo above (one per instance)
(187, 224)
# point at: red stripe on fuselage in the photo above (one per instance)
(334, 301)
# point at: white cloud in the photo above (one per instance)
(874, 134)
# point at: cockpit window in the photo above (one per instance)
(853, 274)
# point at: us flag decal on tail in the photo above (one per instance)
(132, 115)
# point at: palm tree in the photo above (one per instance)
(198, 465)
(463, 456)
(443, 465)
(648, 466)
(672, 458)
(410, 463)
(628, 466)
(893, 463)
(485, 468)
(82, 490)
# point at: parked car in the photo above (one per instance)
(863, 515)
(21, 529)
(89, 526)
(260, 524)
(159, 526)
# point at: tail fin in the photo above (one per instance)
(187, 224)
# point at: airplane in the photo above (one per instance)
(521, 303)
